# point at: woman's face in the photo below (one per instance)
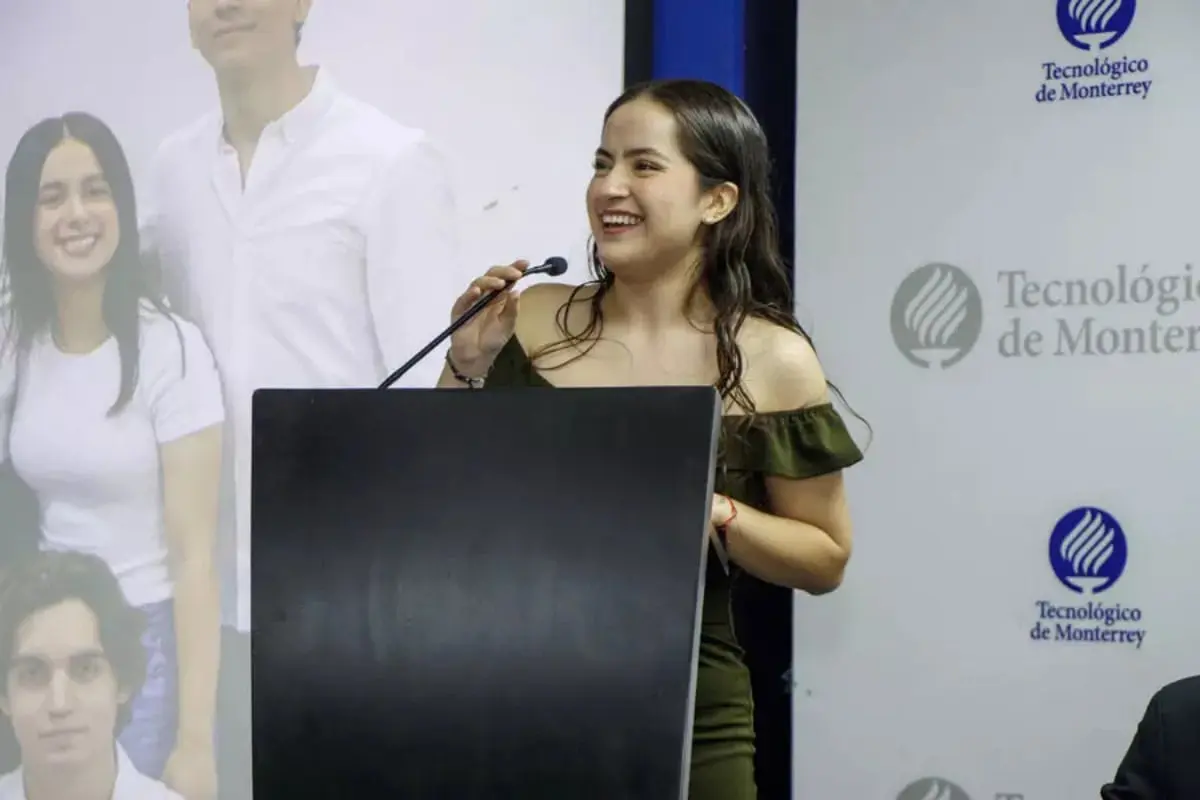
(645, 204)
(76, 227)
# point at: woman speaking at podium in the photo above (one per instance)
(690, 289)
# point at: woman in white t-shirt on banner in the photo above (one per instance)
(116, 424)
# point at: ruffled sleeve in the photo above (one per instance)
(804, 443)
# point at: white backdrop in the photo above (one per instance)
(934, 138)
(512, 91)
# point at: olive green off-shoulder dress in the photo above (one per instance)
(803, 443)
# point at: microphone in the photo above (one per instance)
(552, 266)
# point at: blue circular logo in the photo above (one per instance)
(1095, 24)
(1088, 550)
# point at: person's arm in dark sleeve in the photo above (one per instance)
(1141, 774)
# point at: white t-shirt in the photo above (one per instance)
(97, 477)
(130, 784)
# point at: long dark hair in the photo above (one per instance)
(26, 281)
(742, 269)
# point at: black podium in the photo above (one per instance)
(489, 595)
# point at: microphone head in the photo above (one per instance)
(554, 266)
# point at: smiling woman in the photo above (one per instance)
(689, 288)
(115, 419)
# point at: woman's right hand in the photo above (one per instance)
(474, 346)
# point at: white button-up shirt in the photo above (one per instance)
(330, 267)
(130, 784)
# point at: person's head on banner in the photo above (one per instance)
(71, 648)
(246, 39)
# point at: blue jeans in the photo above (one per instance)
(149, 737)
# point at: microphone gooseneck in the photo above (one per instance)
(553, 267)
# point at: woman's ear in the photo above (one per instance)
(720, 202)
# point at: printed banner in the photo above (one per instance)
(995, 251)
(206, 198)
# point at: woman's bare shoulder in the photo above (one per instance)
(782, 371)
(542, 309)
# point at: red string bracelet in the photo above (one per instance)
(723, 528)
(733, 511)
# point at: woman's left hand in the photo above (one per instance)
(192, 771)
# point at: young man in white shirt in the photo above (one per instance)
(312, 240)
(70, 646)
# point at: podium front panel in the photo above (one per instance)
(485, 595)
